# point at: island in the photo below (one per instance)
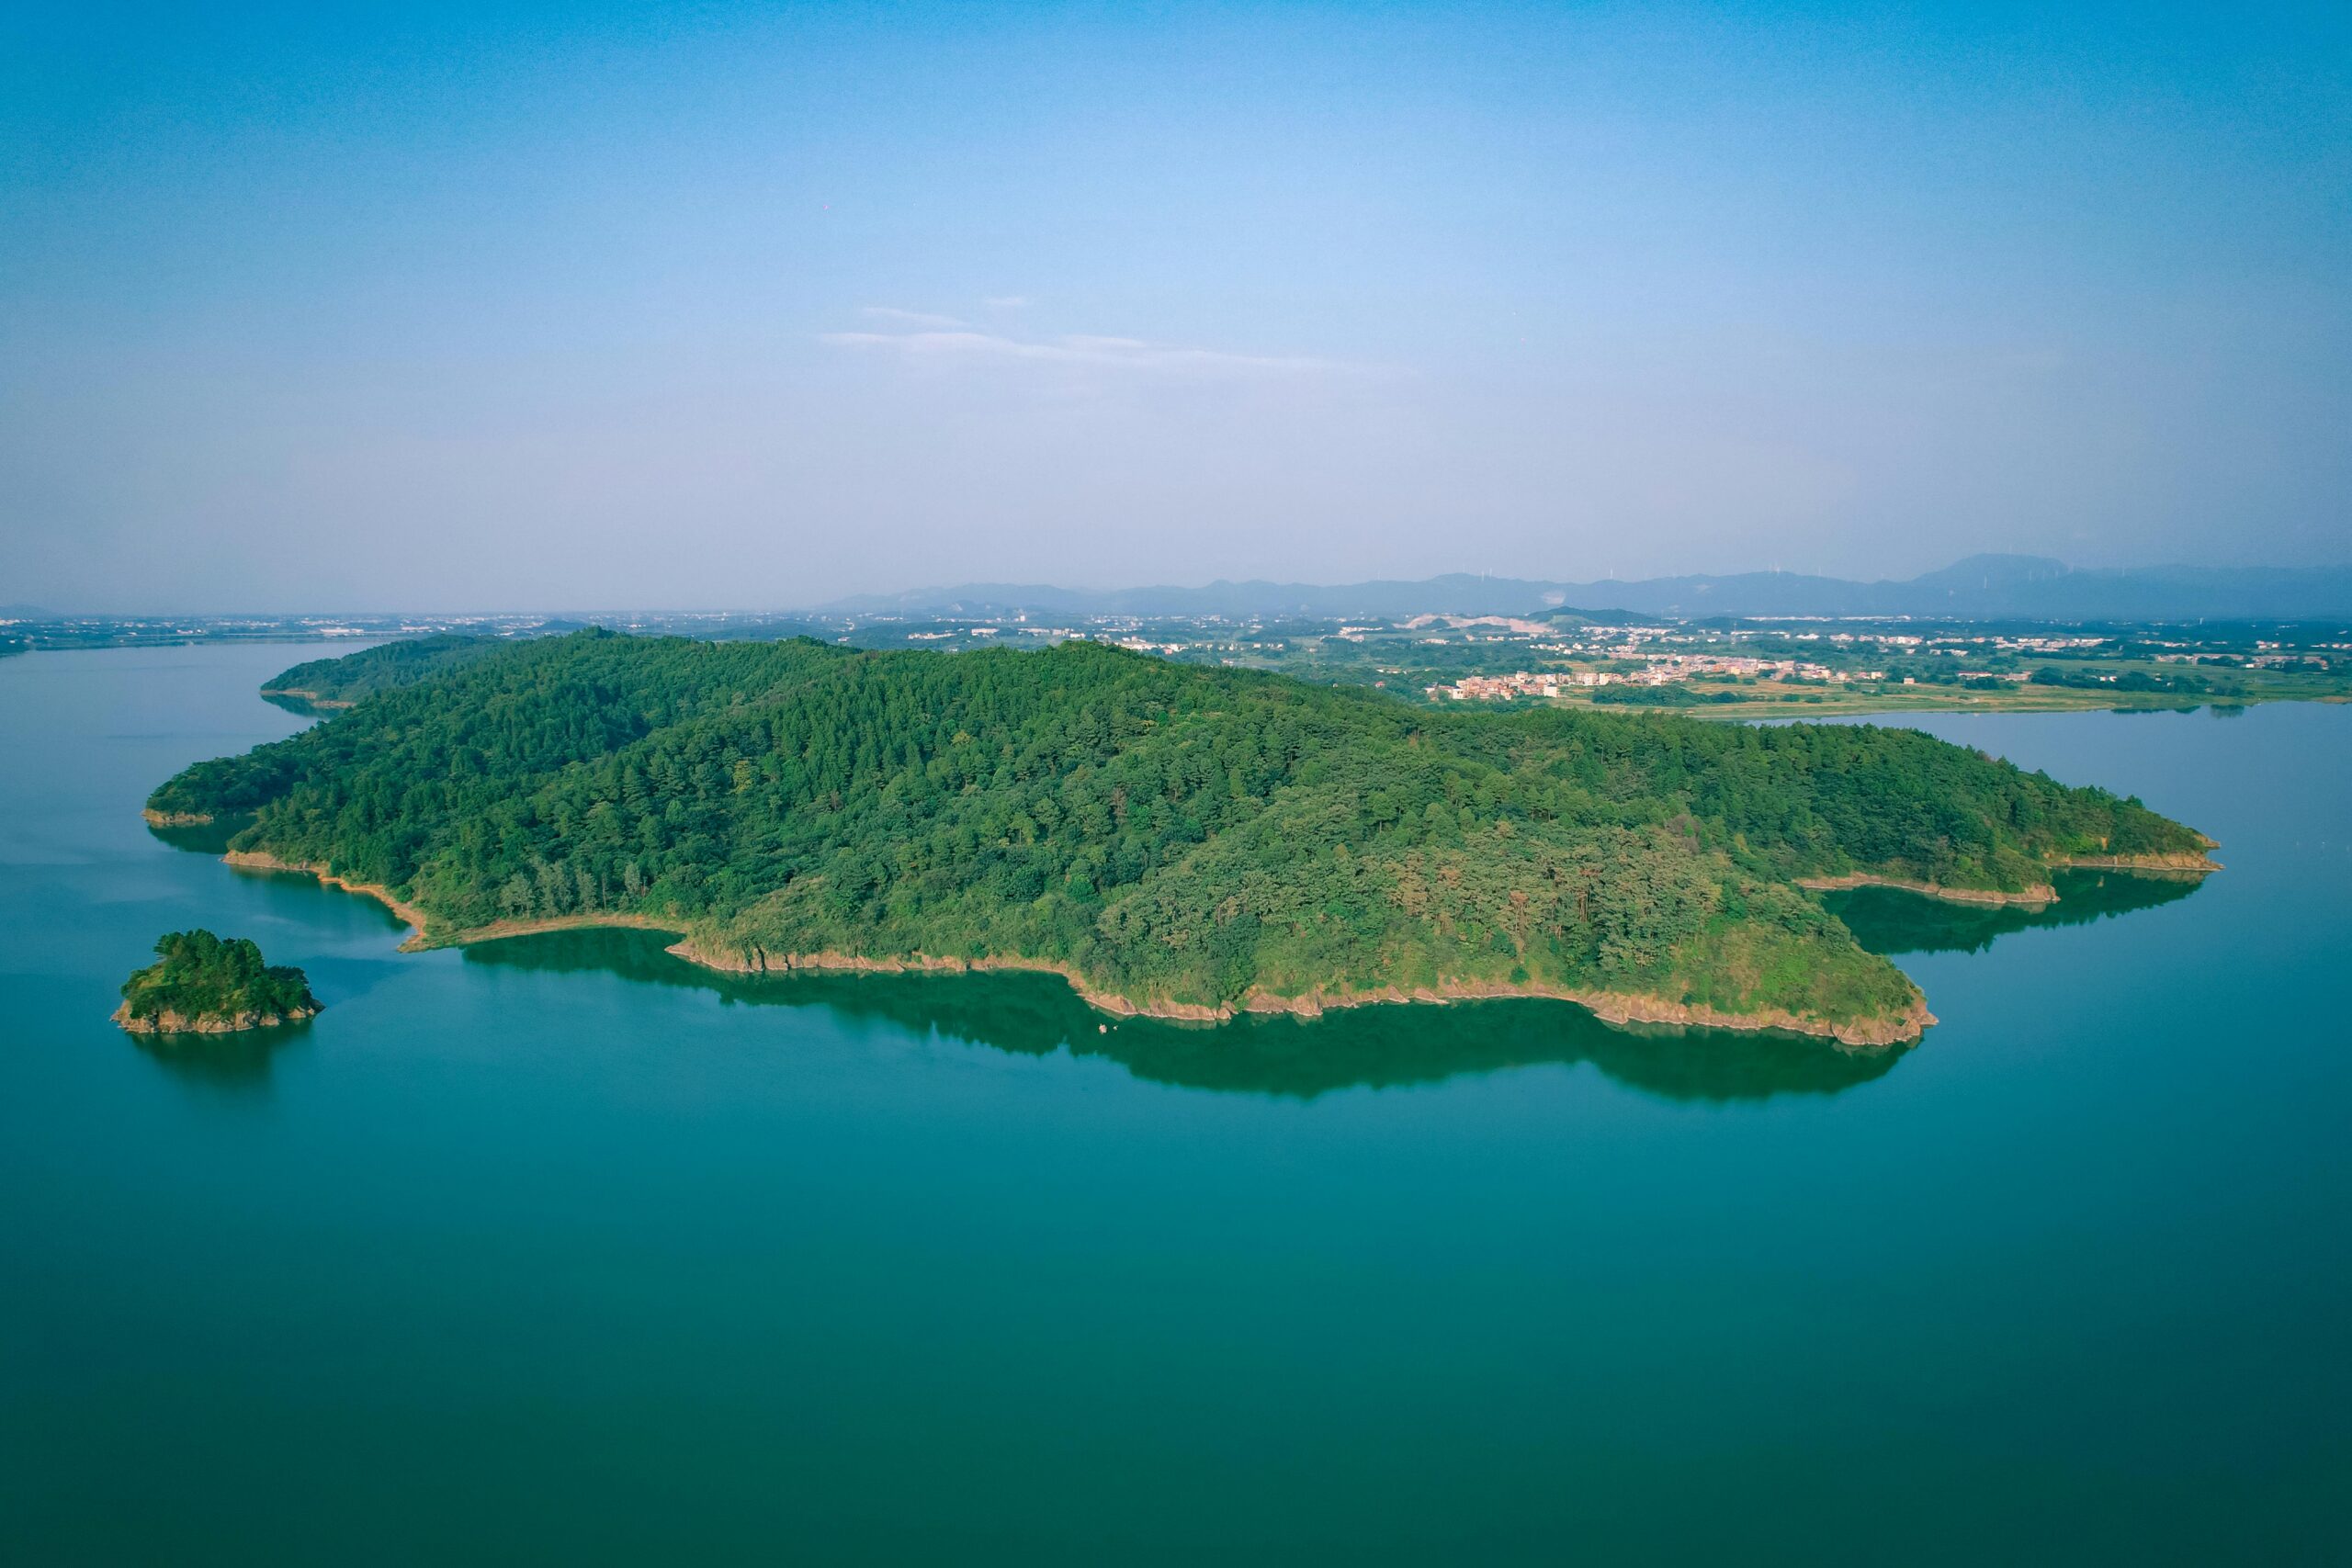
(202, 984)
(1175, 840)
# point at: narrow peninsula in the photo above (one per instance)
(201, 984)
(1177, 840)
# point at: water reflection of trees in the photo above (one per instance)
(1356, 1047)
(1887, 920)
(238, 1063)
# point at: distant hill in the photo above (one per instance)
(1988, 586)
(1459, 593)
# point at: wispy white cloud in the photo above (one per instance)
(909, 318)
(1125, 354)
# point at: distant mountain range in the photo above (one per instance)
(1982, 587)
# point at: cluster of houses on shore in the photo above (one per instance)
(1658, 670)
(1523, 683)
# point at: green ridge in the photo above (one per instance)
(1169, 833)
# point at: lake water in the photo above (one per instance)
(560, 1251)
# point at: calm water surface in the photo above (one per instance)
(560, 1251)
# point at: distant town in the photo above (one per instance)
(1730, 666)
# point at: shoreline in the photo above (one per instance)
(1617, 1008)
(1611, 1007)
(263, 860)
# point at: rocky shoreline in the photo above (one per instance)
(170, 1023)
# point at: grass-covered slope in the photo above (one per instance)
(1169, 834)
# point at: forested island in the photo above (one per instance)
(1177, 840)
(202, 984)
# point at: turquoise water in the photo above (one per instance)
(560, 1251)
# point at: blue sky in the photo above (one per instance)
(467, 305)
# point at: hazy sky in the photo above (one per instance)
(442, 306)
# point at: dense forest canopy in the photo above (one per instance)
(1169, 832)
(198, 977)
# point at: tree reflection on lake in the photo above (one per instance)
(237, 1063)
(1889, 921)
(1376, 1047)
